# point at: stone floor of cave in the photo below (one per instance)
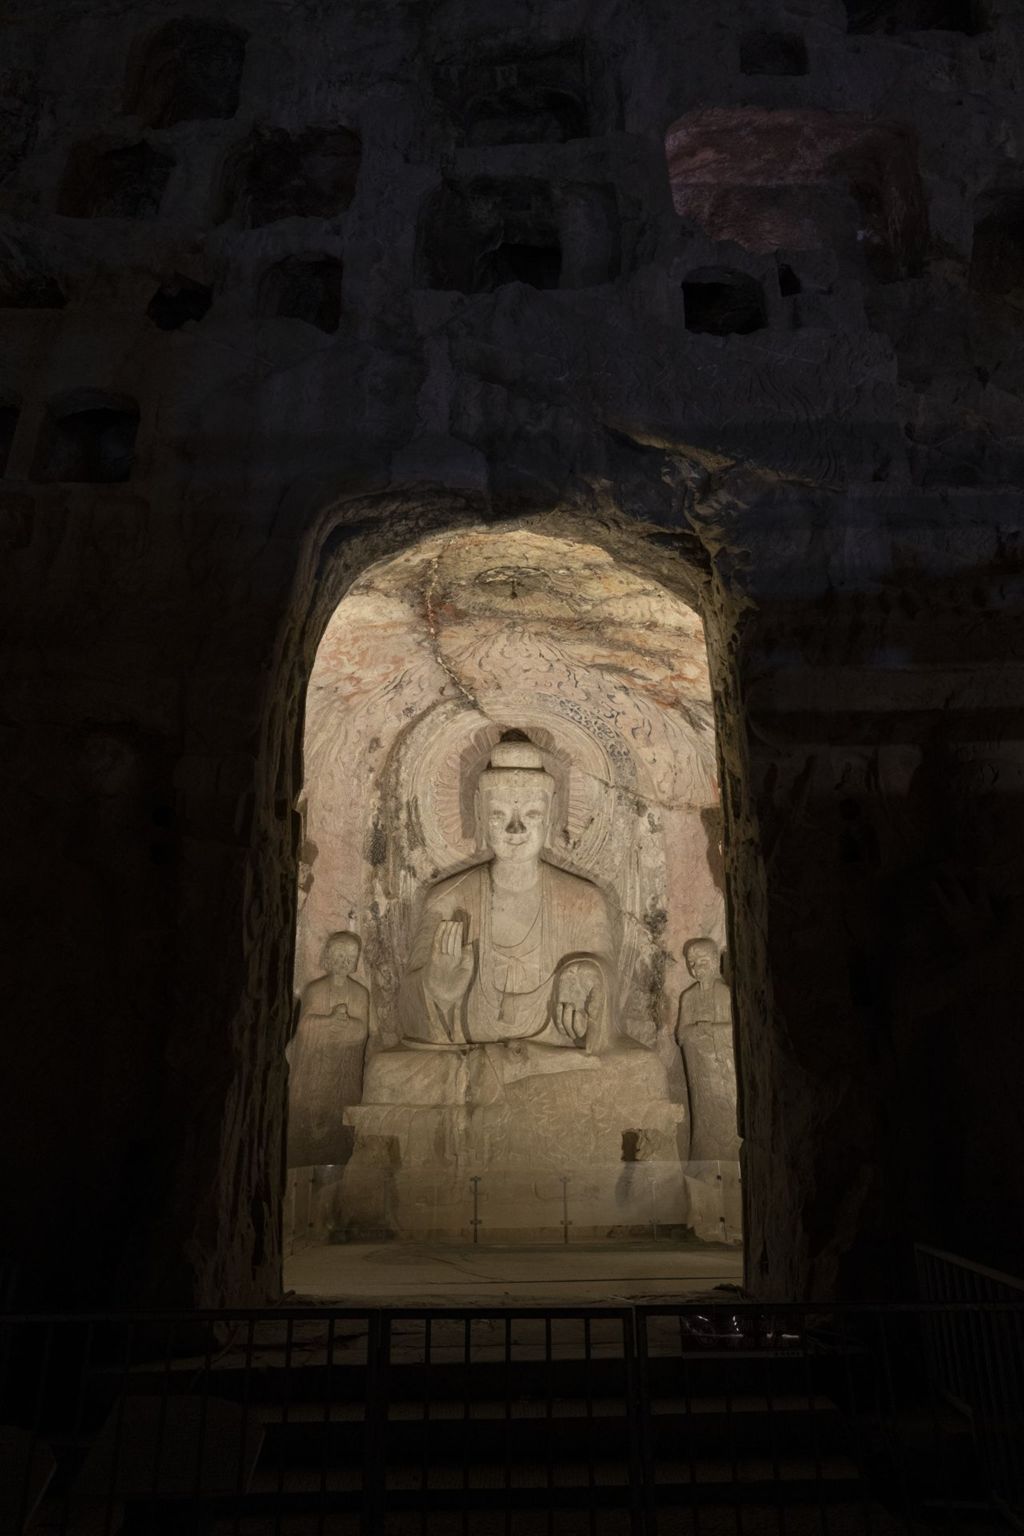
(405, 1274)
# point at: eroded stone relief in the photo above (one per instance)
(704, 1033)
(511, 796)
(326, 1055)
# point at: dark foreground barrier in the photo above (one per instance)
(709, 1418)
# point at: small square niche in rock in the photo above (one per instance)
(773, 53)
(997, 254)
(8, 426)
(720, 302)
(177, 301)
(306, 287)
(893, 16)
(87, 437)
(114, 181)
(26, 281)
(479, 235)
(188, 70)
(280, 175)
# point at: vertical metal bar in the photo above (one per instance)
(118, 1430)
(1015, 1329)
(926, 1322)
(588, 1386)
(243, 1459)
(78, 1423)
(964, 1378)
(982, 1394)
(1015, 1334)
(282, 1443)
(853, 1417)
(38, 1414)
(773, 1440)
(689, 1436)
(326, 1423)
(378, 1341)
(466, 1398)
(641, 1491)
(158, 1449)
(730, 1420)
(812, 1423)
(566, 1223)
(1003, 1407)
(893, 1424)
(203, 1416)
(549, 1426)
(384, 1399)
(508, 1425)
(425, 1436)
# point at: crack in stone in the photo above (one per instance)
(433, 629)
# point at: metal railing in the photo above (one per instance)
(703, 1417)
(976, 1361)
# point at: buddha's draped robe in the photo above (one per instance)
(511, 989)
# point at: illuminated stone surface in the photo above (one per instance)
(522, 1031)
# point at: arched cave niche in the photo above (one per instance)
(477, 235)
(87, 436)
(773, 53)
(528, 100)
(177, 301)
(722, 302)
(969, 16)
(26, 281)
(997, 252)
(803, 179)
(485, 1123)
(122, 181)
(304, 287)
(189, 69)
(276, 175)
(8, 426)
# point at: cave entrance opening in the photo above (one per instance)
(514, 1020)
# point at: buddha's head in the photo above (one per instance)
(701, 956)
(514, 799)
(341, 953)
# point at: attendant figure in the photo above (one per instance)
(326, 1055)
(704, 1034)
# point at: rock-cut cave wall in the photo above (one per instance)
(736, 292)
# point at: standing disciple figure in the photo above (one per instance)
(327, 1055)
(704, 1033)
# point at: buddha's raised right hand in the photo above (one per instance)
(451, 963)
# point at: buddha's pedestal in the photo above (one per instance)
(529, 1142)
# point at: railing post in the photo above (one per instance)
(375, 1423)
(643, 1512)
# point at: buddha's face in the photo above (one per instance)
(702, 962)
(515, 819)
(342, 956)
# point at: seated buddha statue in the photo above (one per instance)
(512, 960)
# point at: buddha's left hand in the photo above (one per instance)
(577, 998)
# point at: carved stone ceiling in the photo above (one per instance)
(494, 608)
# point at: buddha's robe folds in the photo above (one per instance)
(511, 992)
